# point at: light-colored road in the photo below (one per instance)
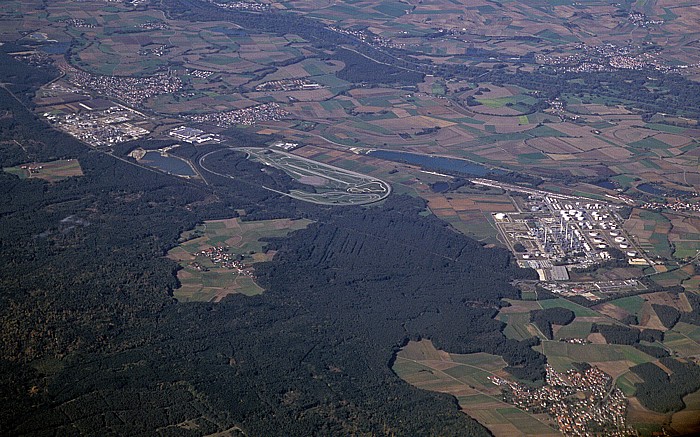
(344, 187)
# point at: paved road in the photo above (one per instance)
(341, 187)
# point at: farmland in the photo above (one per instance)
(224, 66)
(53, 171)
(447, 78)
(615, 360)
(217, 258)
(466, 378)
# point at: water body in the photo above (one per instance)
(651, 189)
(168, 164)
(658, 190)
(606, 184)
(440, 187)
(58, 48)
(437, 163)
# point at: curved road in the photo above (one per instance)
(343, 187)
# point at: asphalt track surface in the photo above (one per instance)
(340, 187)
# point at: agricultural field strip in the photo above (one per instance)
(463, 383)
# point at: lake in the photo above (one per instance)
(606, 184)
(660, 190)
(168, 164)
(437, 163)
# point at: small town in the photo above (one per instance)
(674, 206)
(606, 57)
(583, 403)
(130, 90)
(243, 6)
(366, 37)
(245, 116)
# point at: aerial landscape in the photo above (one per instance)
(350, 217)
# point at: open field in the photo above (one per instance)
(685, 421)
(573, 141)
(53, 171)
(218, 257)
(502, 128)
(465, 377)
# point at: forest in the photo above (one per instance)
(544, 319)
(93, 338)
(618, 334)
(662, 392)
(359, 68)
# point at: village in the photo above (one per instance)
(130, 90)
(607, 57)
(245, 116)
(223, 258)
(582, 402)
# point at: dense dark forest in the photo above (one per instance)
(662, 392)
(359, 68)
(692, 317)
(617, 334)
(92, 338)
(669, 316)
(544, 319)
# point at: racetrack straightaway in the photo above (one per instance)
(340, 187)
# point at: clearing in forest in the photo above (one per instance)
(53, 171)
(218, 256)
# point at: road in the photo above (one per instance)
(341, 187)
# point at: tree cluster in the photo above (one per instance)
(662, 392)
(544, 319)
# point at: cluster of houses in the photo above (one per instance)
(582, 402)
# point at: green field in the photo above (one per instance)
(518, 326)
(649, 143)
(202, 279)
(592, 353)
(626, 383)
(53, 171)
(681, 344)
(465, 377)
(631, 304)
(574, 330)
(579, 310)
